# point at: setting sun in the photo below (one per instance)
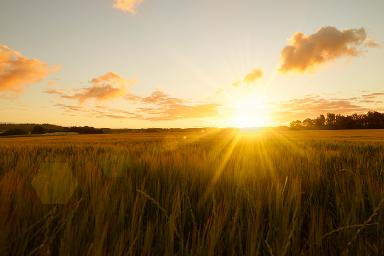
(250, 111)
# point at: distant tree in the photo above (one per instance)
(296, 124)
(330, 121)
(358, 121)
(374, 120)
(15, 131)
(371, 120)
(320, 122)
(343, 122)
(38, 129)
(308, 123)
(86, 130)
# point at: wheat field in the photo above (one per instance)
(212, 192)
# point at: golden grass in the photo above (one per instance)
(207, 193)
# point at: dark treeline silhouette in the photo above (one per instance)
(11, 129)
(371, 120)
(28, 127)
(85, 130)
(14, 131)
(8, 129)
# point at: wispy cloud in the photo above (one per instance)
(98, 111)
(178, 111)
(54, 91)
(160, 98)
(306, 52)
(316, 104)
(69, 108)
(17, 71)
(253, 76)
(311, 106)
(161, 107)
(250, 78)
(106, 87)
(157, 107)
(128, 6)
(374, 95)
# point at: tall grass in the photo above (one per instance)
(219, 193)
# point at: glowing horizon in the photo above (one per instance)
(190, 64)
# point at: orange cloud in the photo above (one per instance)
(373, 95)
(17, 71)
(98, 112)
(253, 76)
(159, 97)
(53, 91)
(311, 106)
(156, 107)
(328, 43)
(105, 87)
(178, 111)
(164, 108)
(315, 104)
(127, 5)
(250, 78)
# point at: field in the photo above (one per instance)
(214, 192)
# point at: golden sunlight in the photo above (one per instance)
(250, 111)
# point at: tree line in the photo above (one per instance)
(25, 129)
(11, 129)
(370, 120)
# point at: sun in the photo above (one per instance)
(250, 111)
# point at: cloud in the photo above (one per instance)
(105, 87)
(114, 116)
(373, 98)
(54, 91)
(250, 78)
(316, 104)
(179, 111)
(17, 71)
(156, 107)
(128, 6)
(70, 108)
(132, 98)
(52, 83)
(371, 43)
(253, 76)
(162, 107)
(98, 111)
(328, 43)
(160, 98)
(311, 106)
(374, 95)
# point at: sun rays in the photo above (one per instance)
(249, 109)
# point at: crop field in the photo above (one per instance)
(212, 192)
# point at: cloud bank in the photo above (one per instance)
(311, 106)
(17, 71)
(161, 107)
(160, 98)
(158, 106)
(318, 105)
(306, 52)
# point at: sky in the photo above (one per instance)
(180, 63)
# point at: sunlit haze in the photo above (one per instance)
(223, 63)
